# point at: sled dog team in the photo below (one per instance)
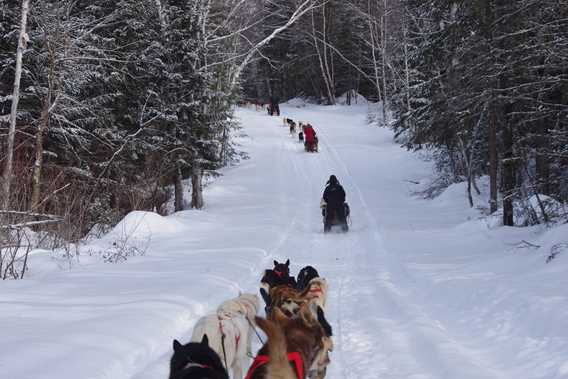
(298, 335)
(307, 134)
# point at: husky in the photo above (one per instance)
(286, 299)
(278, 276)
(304, 276)
(230, 331)
(196, 360)
(292, 127)
(292, 346)
(316, 291)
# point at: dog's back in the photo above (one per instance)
(220, 332)
(278, 367)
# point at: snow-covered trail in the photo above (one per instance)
(381, 329)
(416, 290)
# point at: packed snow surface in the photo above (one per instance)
(419, 289)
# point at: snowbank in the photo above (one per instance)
(141, 225)
(296, 102)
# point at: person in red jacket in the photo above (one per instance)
(310, 137)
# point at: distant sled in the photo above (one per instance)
(335, 221)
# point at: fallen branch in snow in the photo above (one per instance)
(46, 219)
(29, 223)
(525, 244)
(555, 250)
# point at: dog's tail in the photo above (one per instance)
(278, 366)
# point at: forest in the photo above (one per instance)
(109, 106)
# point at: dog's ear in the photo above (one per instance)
(177, 346)
(275, 263)
(205, 340)
(287, 263)
(323, 322)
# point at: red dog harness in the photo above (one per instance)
(293, 357)
(237, 336)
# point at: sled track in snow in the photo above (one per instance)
(416, 326)
(252, 282)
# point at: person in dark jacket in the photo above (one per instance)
(334, 197)
(274, 106)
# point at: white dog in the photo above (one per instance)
(230, 331)
(316, 291)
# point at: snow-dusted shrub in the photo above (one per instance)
(15, 246)
(539, 209)
(121, 250)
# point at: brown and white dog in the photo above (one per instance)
(277, 276)
(290, 340)
(230, 331)
(316, 290)
(286, 299)
(288, 302)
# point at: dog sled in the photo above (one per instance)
(336, 218)
(311, 146)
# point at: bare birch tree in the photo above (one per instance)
(22, 42)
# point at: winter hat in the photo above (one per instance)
(332, 180)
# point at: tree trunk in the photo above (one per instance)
(328, 72)
(178, 190)
(492, 159)
(508, 176)
(38, 164)
(373, 53)
(322, 69)
(406, 69)
(196, 187)
(43, 127)
(542, 161)
(22, 40)
(384, 54)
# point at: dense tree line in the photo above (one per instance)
(117, 104)
(481, 83)
(121, 100)
(489, 92)
(107, 106)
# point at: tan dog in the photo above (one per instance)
(286, 299)
(290, 340)
(230, 331)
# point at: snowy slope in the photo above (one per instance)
(419, 289)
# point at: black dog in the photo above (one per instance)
(196, 360)
(304, 276)
(278, 276)
(292, 128)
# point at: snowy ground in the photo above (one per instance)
(419, 289)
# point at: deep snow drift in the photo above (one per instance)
(418, 288)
